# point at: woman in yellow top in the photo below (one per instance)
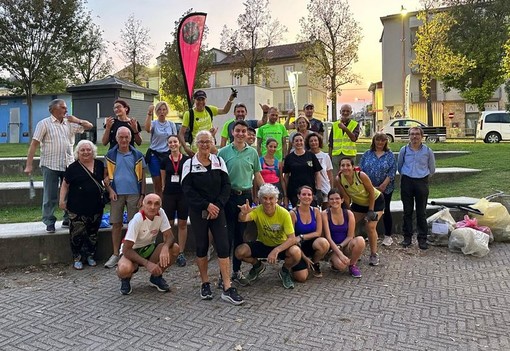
(363, 199)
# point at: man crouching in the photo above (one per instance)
(275, 236)
(139, 247)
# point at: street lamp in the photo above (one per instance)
(403, 13)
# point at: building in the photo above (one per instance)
(401, 94)
(279, 59)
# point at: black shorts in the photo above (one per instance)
(175, 203)
(306, 247)
(259, 250)
(378, 206)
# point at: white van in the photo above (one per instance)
(494, 126)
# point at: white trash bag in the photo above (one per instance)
(469, 241)
(440, 226)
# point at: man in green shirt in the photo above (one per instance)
(243, 168)
(240, 112)
(272, 129)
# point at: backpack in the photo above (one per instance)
(188, 136)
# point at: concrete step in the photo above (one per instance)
(23, 244)
(17, 193)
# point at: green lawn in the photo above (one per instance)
(492, 159)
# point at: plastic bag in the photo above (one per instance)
(473, 223)
(496, 217)
(105, 221)
(469, 241)
(440, 225)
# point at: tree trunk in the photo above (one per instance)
(333, 100)
(430, 116)
(29, 105)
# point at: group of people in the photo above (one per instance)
(303, 209)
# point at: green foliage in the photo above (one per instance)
(479, 33)
(334, 37)
(256, 32)
(172, 87)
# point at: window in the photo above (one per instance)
(287, 100)
(497, 118)
(236, 79)
(212, 80)
(285, 70)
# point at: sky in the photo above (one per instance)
(159, 17)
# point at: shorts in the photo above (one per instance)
(259, 250)
(154, 165)
(378, 206)
(307, 248)
(146, 251)
(117, 207)
(175, 203)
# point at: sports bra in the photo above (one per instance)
(338, 231)
(301, 228)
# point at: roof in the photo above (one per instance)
(111, 82)
(277, 52)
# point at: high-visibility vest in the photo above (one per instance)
(342, 144)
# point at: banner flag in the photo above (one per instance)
(189, 40)
(293, 85)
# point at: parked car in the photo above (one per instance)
(398, 130)
(494, 126)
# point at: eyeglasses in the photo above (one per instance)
(204, 142)
(414, 133)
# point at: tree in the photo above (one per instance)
(334, 38)
(135, 47)
(34, 39)
(172, 87)
(89, 60)
(506, 70)
(249, 43)
(479, 33)
(433, 59)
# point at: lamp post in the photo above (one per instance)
(403, 13)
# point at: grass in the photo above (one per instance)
(492, 159)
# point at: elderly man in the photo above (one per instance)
(275, 237)
(243, 167)
(416, 163)
(272, 129)
(202, 118)
(342, 137)
(315, 125)
(55, 136)
(125, 180)
(139, 247)
(240, 111)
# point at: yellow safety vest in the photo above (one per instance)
(342, 144)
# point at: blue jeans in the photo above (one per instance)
(51, 181)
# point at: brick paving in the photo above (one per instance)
(433, 300)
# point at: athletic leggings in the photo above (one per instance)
(200, 228)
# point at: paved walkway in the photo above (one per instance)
(415, 300)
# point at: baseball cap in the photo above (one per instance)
(199, 94)
(308, 105)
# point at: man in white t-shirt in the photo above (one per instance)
(139, 247)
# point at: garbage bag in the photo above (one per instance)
(469, 241)
(105, 221)
(473, 223)
(440, 226)
(496, 217)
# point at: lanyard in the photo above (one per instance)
(176, 164)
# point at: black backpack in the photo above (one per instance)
(188, 136)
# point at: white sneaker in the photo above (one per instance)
(112, 261)
(387, 241)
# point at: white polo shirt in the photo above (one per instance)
(143, 231)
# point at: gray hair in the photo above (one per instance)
(85, 142)
(122, 128)
(268, 189)
(54, 103)
(202, 133)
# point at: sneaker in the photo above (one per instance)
(422, 244)
(125, 286)
(373, 260)
(316, 269)
(240, 279)
(210, 252)
(91, 262)
(220, 282)
(232, 296)
(387, 241)
(205, 291)
(112, 261)
(255, 272)
(65, 223)
(286, 279)
(406, 242)
(354, 270)
(50, 228)
(181, 260)
(160, 283)
(78, 265)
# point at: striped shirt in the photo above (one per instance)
(57, 140)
